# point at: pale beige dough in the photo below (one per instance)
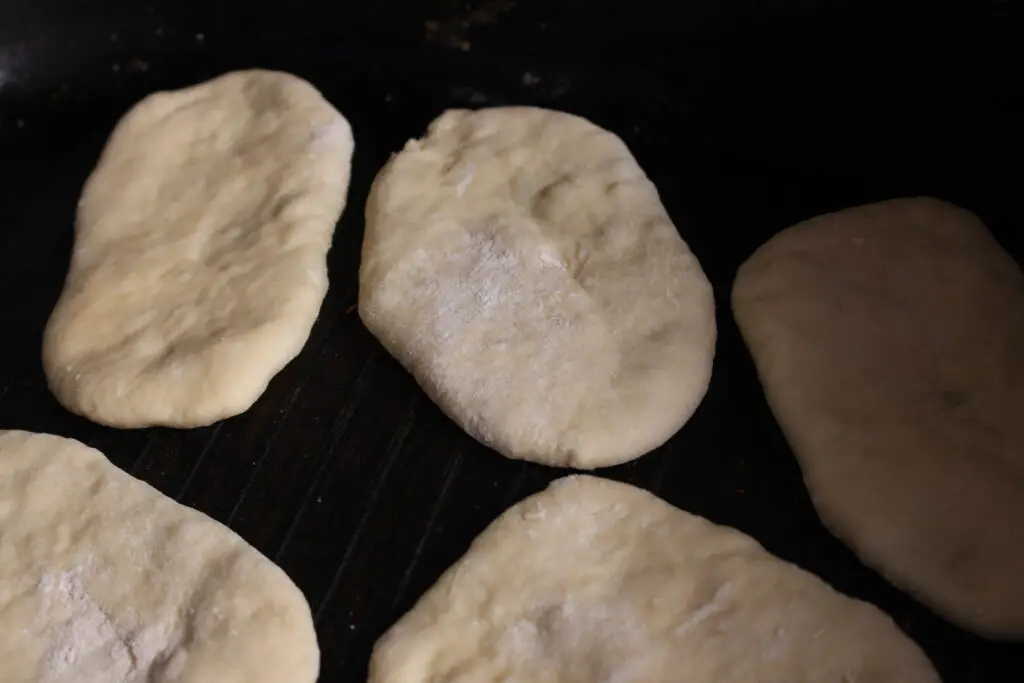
(520, 265)
(593, 581)
(105, 580)
(199, 263)
(890, 342)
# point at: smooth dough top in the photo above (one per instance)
(199, 260)
(593, 580)
(520, 264)
(105, 580)
(890, 342)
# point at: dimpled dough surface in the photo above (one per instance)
(594, 581)
(199, 263)
(520, 265)
(890, 342)
(105, 580)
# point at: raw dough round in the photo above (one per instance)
(593, 580)
(199, 263)
(890, 342)
(520, 265)
(105, 580)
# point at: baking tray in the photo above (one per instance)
(748, 117)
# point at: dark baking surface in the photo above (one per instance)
(748, 117)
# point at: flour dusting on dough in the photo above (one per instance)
(488, 300)
(86, 646)
(556, 637)
(488, 278)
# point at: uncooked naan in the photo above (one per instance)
(593, 580)
(520, 265)
(105, 580)
(199, 263)
(890, 342)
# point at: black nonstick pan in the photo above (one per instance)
(748, 116)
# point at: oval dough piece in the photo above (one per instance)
(199, 263)
(103, 579)
(520, 265)
(890, 342)
(593, 580)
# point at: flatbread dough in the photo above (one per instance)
(593, 580)
(105, 580)
(890, 342)
(520, 265)
(199, 263)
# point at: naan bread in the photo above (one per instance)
(890, 342)
(199, 263)
(103, 579)
(520, 265)
(593, 580)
